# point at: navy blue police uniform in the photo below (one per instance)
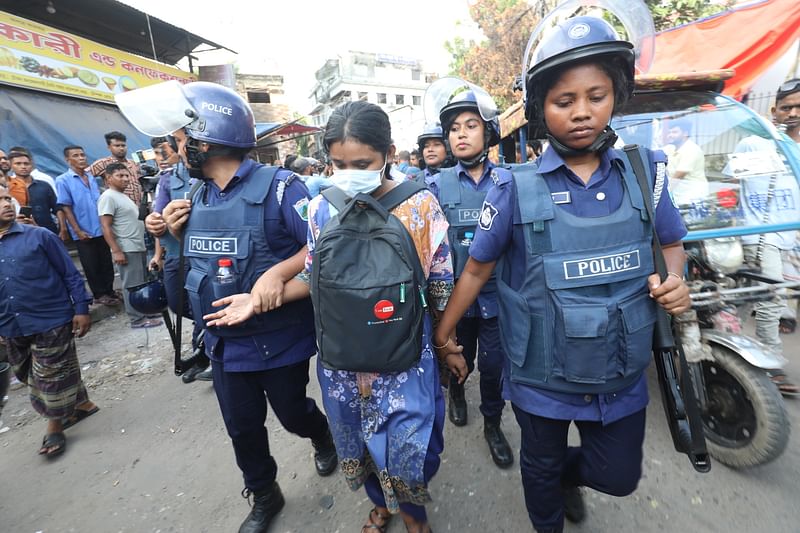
(461, 199)
(258, 220)
(576, 319)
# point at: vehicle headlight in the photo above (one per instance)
(724, 254)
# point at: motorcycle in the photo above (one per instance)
(744, 416)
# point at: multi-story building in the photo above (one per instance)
(395, 83)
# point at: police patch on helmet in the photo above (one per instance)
(488, 214)
(578, 30)
(302, 208)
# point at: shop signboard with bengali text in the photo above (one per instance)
(43, 58)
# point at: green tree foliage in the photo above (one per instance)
(507, 25)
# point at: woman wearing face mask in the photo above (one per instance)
(387, 426)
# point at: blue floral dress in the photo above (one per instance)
(390, 424)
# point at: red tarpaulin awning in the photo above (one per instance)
(747, 39)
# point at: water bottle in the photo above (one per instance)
(467, 240)
(225, 283)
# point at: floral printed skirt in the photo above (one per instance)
(386, 424)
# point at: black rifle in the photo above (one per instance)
(677, 394)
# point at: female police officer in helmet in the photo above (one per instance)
(252, 219)
(576, 287)
(469, 122)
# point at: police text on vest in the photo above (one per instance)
(602, 265)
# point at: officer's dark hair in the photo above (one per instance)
(613, 67)
(362, 122)
(71, 147)
(155, 142)
(114, 167)
(115, 136)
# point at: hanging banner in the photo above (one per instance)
(39, 57)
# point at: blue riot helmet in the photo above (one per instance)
(430, 131)
(447, 97)
(149, 298)
(566, 37)
(208, 113)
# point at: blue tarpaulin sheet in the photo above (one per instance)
(46, 123)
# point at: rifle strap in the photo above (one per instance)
(634, 154)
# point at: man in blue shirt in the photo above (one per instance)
(43, 304)
(78, 194)
(248, 228)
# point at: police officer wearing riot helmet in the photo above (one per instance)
(174, 182)
(461, 191)
(575, 283)
(255, 217)
(432, 152)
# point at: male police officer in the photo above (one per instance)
(470, 128)
(173, 183)
(251, 219)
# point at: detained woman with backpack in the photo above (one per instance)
(378, 263)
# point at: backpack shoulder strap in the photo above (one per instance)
(336, 197)
(400, 194)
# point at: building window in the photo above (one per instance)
(258, 97)
(363, 96)
(399, 99)
(415, 74)
(381, 98)
(416, 100)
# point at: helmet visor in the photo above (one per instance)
(631, 18)
(444, 90)
(158, 109)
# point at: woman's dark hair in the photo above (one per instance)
(612, 66)
(360, 121)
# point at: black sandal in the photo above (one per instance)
(373, 526)
(56, 441)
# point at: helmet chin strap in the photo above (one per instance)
(605, 140)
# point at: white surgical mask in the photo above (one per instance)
(353, 181)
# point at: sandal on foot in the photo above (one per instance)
(786, 387)
(77, 416)
(53, 444)
(372, 525)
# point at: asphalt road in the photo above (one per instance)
(156, 458)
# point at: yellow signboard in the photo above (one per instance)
(39, 57)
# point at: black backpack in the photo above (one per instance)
(367, 285)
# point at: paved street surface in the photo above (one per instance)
(156, 458)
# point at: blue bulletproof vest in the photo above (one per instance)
(235, 230)
(462, 208)
(178, 188)
(582, 320)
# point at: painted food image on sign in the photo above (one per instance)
(39, 57)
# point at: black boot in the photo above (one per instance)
(498, 445)
(325, 458)
(267, 504)
(457, 408)
(574, 508)
(191, 374)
